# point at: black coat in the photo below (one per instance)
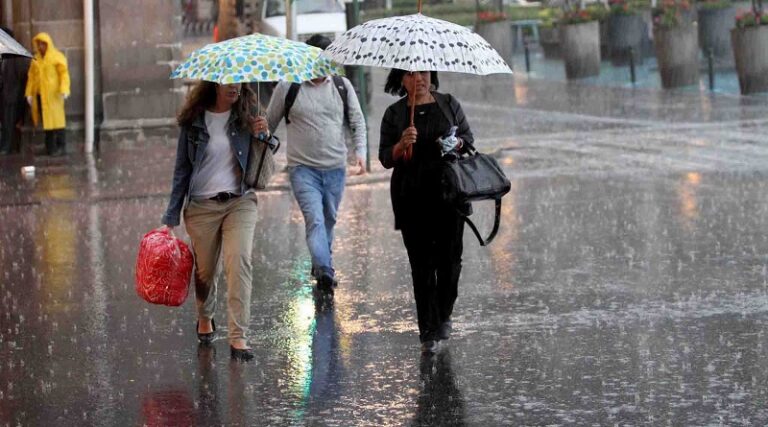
(410, 177)
(13, 81)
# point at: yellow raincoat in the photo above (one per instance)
(48, 77)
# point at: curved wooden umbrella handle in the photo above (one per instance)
(408, 153)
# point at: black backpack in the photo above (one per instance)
(293, 91)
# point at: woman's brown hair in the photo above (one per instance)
(203, 96)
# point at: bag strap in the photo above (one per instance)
(342, 88)
(293, 92)
(290, 98)
(446, 109)
(487, 240)
(445, 106)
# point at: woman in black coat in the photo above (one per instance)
(432, 230)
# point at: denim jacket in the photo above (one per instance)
(193, 141)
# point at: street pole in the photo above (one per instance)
(89, 78)
(363, 98)
(290, 20)
(8, 13)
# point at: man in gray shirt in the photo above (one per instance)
(317, 157)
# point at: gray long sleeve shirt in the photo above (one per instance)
(316, 133)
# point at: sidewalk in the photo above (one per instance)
(504, 112)
(626, 285)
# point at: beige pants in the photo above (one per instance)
(223, 229)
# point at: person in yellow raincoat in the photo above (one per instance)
(47, 88)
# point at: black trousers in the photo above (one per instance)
(434, 244)
(55, 143)
(10, 138)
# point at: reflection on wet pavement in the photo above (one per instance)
(627, 285)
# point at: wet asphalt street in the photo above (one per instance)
(628, 284)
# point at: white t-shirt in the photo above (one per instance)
(218, 171)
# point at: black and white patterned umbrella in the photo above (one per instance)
(416, 43)
(9, 46)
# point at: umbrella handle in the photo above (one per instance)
(412, 98)
(408, 153)
(258, 97)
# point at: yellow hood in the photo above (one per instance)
(45, 38)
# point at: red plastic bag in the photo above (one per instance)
(163, 268)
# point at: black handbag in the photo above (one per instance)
(472, 177)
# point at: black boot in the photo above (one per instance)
(50, 142)
(61, 142)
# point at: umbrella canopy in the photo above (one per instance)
(256, 58)
(416, 43)
(9, 46)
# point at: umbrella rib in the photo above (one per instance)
(376, 34)
(411, 53)
(422, 47)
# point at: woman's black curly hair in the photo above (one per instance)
(394, 84)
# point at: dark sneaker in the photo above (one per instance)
(241, 354)
(429, 348)
(444, 331)
(326, 283)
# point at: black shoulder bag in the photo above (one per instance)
(472, 177)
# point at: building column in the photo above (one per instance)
(140, 46)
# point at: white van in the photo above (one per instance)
(324, 17)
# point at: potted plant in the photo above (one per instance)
(676, 43)
(715, 19)
(579, 42)
(626, 30)
(493, 26)
(549, 37)
(750, 49)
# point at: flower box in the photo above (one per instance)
(580, 47)
(750, 52)
(677, 53)
(715, 24)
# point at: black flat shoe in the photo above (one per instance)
(325, 285)
(444, 331)
(206, 338)
(241, 354)
(429, 348)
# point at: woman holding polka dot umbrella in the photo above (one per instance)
(209, 186)
(416, 48)
(416, 43)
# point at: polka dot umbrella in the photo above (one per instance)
(10, 47)
(256, 58)
(416, 43)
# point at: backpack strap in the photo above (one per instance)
(290, 98)
(293, 92)
(342, 88)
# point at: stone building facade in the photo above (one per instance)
(137, 44)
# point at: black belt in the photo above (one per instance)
(224, 197)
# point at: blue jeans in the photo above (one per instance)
(318, 193)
